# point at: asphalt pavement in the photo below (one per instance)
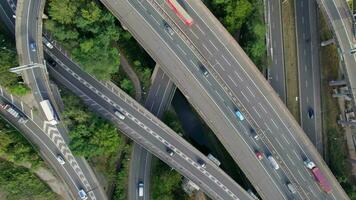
(308, 44)
(276, 75)
(144, 128)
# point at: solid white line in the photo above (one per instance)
(258, 113)
(206, 48)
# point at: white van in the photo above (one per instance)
(140, 189)
(291, 188)
(119, 114)
(273, 162)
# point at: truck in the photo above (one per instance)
(49, 112)
(318, 175)
(180, 12)
(215, 160)
(15, 113)
(273, 162)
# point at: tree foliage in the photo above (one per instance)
(90, 135)
(8, 59)
(19, 183)
(14, 146)
(89, 31)
(166, 183)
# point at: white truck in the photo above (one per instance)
(215, 160)
(273, 162)
(49, 112)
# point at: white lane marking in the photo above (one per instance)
(217, 63)
(244, 95)
(300, 174)
(195, 35)
(213, 45)
(279, 143)
(180, 48)
(285, 139)
(263, 108)
(238, 75)
(226, 60)
(290, 159)
(206, 48)
(250, 91)
(258, 113)
(196, 25)
(191, 61)
(232, 80)
(274, 123)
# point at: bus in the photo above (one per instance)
(180, 12)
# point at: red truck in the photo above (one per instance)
(180, 12)
(319, 177)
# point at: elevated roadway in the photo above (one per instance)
(50, 144)
(144, 128)
(282, 136)
(340, 20)
(158, 100)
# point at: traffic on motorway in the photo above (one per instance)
(272, 150)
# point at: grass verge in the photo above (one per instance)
(334, 142)
(290, 57)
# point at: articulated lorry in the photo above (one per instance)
(319, 177)
(49, 112)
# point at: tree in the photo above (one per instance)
(127, 86)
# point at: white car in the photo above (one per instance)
(82, 194)
(60, 160)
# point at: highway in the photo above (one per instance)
(50, 144)
(340, 18)
(276, 75)
(308, 44)
(144, 128)
(205, 100)
(27, 31)
(158, 100)
(276, 122)
(39, 80)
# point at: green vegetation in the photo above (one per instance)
(8, 59)
(14, 147)
(335, 145)
(89, 31)
(171, 119)
(19, 183)
(122, 177)
(245, 20)
(166, 183)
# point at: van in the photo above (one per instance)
(273, 162)
(291, 188)
(47, 43)
(119, 114)
(140, 189)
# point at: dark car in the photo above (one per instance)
(203, 70)
(170, 151)
(33, 46)
(310, 113)
(201, 163)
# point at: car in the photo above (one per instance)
(203, 70)
(259, 155)
(51, 62)
(291, 188)
(239, 115)
(254, 134)
(47, 43)
(140, 189)
(82, 194)
(60, 159)
(170, 151)
(119, 114)
(310, 113)
(33, 46)
(168, 28)
(201, 163)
